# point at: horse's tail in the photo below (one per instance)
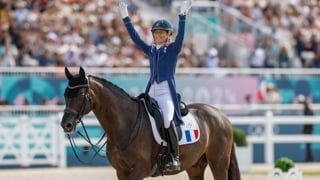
(233, 171)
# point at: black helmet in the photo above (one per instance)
(163, 25)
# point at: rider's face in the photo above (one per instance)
(160, 36)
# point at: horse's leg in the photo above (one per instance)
(219, 164)
(196, 172)
(219, 169)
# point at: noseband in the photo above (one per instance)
(85, 100)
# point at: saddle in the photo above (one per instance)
(155, 111)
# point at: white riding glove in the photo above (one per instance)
(123, 9)
(185, 7)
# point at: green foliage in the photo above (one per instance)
(284, 164)
(239, 137)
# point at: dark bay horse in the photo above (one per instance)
(131, 147)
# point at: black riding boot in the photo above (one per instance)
(173, 147)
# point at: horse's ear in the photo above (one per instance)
(67, 73)
(81, 72)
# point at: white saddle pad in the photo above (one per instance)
(190, 130)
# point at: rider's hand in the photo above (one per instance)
(123, 9)
(186, 5)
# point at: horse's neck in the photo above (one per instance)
(116, 112)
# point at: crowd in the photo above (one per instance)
(91, 34)
(67, 33)
(298, 20)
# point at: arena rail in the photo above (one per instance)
(28, 141)
(268, 137)
(266, 131)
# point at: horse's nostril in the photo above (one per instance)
(68, 125)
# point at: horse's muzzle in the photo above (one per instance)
(68, 126)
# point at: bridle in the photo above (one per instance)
(85, 100)
(79, 115)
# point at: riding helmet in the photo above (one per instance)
(163, 25)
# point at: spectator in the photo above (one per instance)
(21, 13)
(310, 50)
(8, 52)
(299, 46)
(284, 60)
(138, 59)
(256, 12)
(272, 97)
(45, 101)
(249, 107)
(258, 57)
(272, 53)
(316, 60)
(307, 128)
(212, 60)
(3, 102)
(45, 59)
(100, 58)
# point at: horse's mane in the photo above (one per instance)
(108, 83)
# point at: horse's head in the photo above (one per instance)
(77, 98)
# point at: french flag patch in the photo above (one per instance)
(191, 135)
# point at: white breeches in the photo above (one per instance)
(161, 93)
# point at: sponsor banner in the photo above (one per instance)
(219, 90)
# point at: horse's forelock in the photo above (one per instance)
(74, 85)
(77, 80)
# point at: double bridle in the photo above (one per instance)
(85, 100)
(79, 116)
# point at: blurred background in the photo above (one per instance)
(256, 60)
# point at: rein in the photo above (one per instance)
(93, 146)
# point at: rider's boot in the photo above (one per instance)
(173, 147)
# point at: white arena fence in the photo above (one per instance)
(31, 135)
(28, 141)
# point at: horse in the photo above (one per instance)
(131, 148)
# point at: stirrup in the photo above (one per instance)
(173, 165)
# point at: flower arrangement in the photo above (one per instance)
(284, 163)
(284, 169)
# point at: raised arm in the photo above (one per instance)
(182, 18)
(130, 28)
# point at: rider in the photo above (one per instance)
(163, 57)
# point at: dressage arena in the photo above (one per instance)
(259, 172)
